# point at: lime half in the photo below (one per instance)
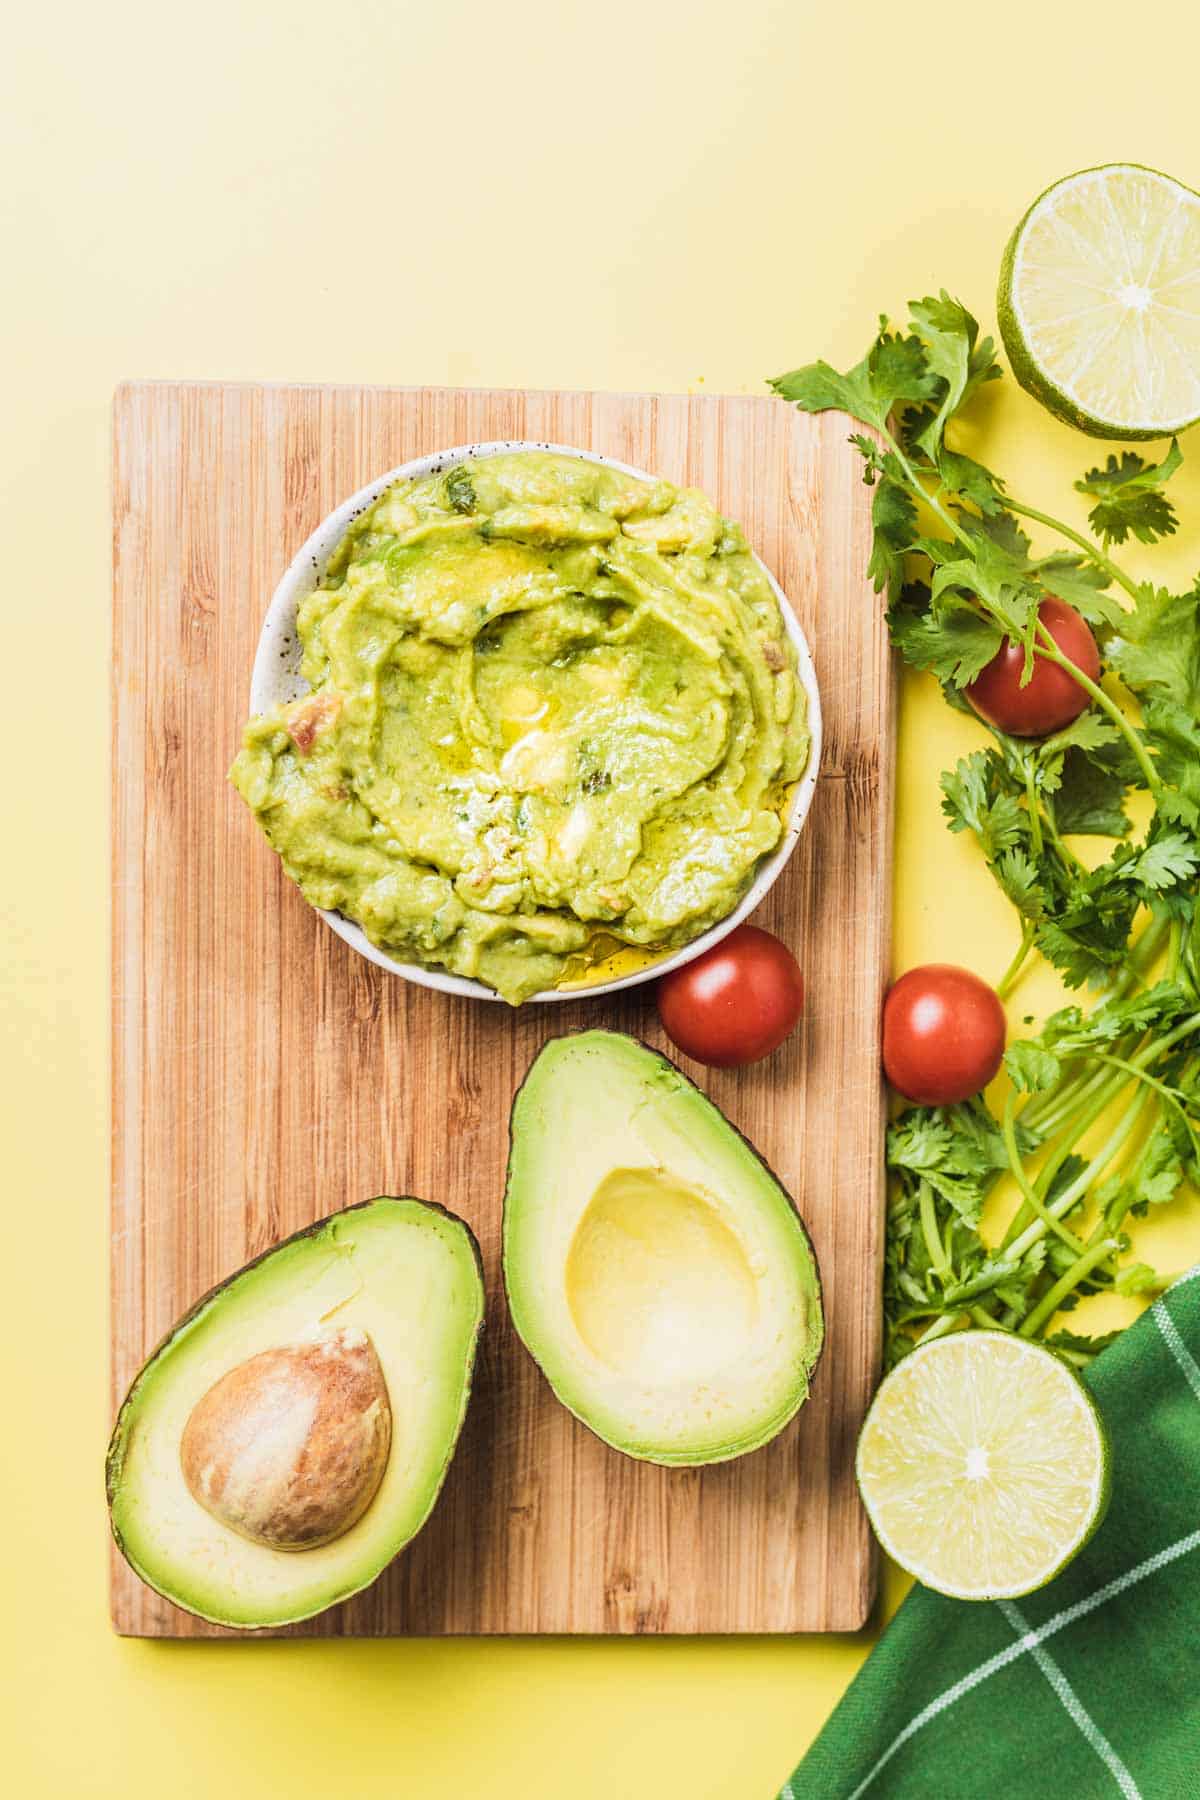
(983, 1464)
(1099, 302)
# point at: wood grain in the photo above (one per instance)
(264, 1075)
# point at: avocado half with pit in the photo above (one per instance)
(291, 1433)
(655, 1268)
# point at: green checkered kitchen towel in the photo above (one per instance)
(1090, 1687)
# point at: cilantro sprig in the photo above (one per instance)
(953, 557)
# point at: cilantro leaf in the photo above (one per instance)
(993, 1272)
(1002, 529)
(894, 517)
(947, 637)
(1078, 958)
(1081, 585)
(1031, 1066)
(1136, 1278)
(1085, 770)
(1090, 731)
(1071, 1031)
(994, 575)
(953, 353)
(460, 489)
(1173, 734)
(1022, 881)
(894, 371)
(1089, 798)
(1166, 860)
(1157, 649)
(974, 798)
(969, 480)
(1088, 1346)
(1129, 497)
(950, 1149)
(1158, 1175)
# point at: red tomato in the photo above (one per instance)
(1050, 698)
(736, 1003)
(943, 1034)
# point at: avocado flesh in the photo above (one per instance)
(405, 1272)
(655, 1268)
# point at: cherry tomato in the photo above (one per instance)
(943, 1034)
(1050, 698)
(736, 1003)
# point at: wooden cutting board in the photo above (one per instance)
(264, 1075)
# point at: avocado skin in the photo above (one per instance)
(115, 1457)
(665, 1063)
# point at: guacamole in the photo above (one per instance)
(553, 710)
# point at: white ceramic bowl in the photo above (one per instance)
(276, 677)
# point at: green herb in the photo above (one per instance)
(460, 489)
(952, 555)
(1129, 498)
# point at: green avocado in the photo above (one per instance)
(291, 1433)
(655, 1269)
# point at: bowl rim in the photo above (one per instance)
(278, 647)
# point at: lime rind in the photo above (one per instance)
(983, 1464)
(1099, 302)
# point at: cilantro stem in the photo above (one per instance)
(1133, 1172)
(1050, 1302)
(985, 1321)
(1080, 1124)
(1110, 1087)
(1043, 1113)
(933, 1242)
(1020, 1234)
(1144, 954)
(1055, 1104)
(1047, 648)
(1080, 1106)
(1090, 550)
(1035, 811)
(1160, 1087)
(1032, 1198)
(922, 493)
(984, 1282)
(940, 1327)
(1112, 1144)
(1008, 980)
(929, 1311)
(1051, 824)
(1015, 1246)
(1168, 1040)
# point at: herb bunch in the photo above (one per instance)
(959, 573)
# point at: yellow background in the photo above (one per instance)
(523, 192)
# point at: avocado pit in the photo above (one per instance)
(289, 1447)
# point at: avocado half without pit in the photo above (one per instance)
(655, 1268)
(290, 1435)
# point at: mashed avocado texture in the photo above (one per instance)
(553, 709)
